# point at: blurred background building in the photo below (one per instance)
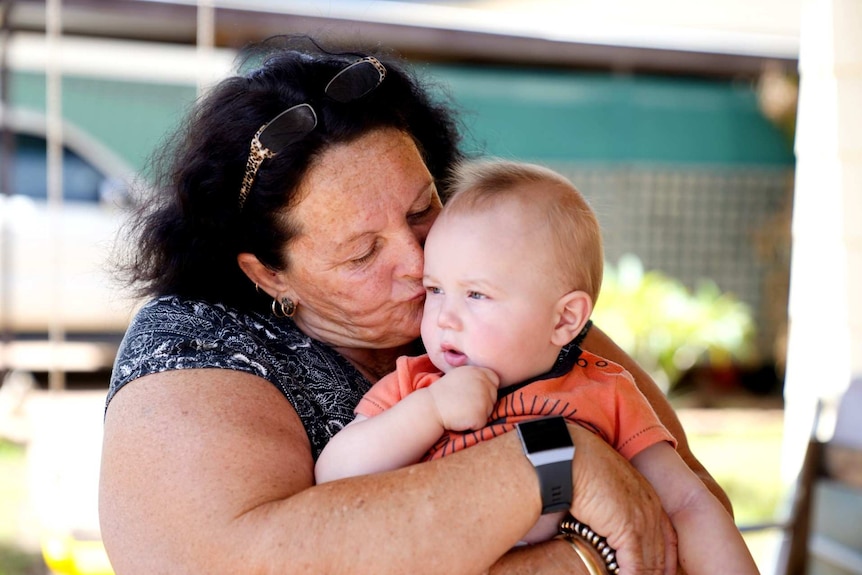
(657, 113)
(678, 120)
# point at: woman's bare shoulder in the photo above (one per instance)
(200, 448)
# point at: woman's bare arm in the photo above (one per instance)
(210, 471)
(556, 556)
(599, 343)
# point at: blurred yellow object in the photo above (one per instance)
(65, 555)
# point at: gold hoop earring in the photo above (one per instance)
(283, 307)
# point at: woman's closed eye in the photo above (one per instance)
(366, 257)
(427, 206)
(420, 216)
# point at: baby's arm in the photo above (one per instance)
(709, 541)
(399, 436)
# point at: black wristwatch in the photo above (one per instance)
(548, 446)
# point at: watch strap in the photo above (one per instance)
(549, 448)
(555, 482)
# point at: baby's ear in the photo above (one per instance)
(573, 310)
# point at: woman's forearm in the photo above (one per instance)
(439, 517)
(608, 494)
(201, 475)
(549, 558)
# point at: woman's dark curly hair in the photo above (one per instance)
(185, 240)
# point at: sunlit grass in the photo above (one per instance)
(743, 453)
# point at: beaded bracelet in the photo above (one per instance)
(571, 529)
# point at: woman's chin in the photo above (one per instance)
(402, 330)
(409, 319)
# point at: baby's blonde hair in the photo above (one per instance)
(573, 226)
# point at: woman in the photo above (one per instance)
(284, 252)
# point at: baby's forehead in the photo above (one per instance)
(503, 227)
(504, 211)
(517, 196)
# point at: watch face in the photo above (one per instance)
(545, 434)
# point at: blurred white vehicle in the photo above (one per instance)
(54, 259)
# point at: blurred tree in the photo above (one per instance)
(667, 328)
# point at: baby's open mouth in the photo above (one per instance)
(454, 357)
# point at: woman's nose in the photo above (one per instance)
(413, 257)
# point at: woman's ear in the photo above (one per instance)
(265, 278)
(574, 309)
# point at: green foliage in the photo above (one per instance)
(666, 327)
(14, 560)
(12, 469)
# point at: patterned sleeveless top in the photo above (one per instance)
(176, 333)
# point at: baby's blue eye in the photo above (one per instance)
(476, 295)
(433, 290)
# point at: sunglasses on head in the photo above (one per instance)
(353, 82)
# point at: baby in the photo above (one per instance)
(513, 267)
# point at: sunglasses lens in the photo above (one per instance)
(288, 127)
(356, 80)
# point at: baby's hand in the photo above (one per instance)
(464, 397)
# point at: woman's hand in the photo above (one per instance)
(617, 502)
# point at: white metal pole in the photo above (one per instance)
(205, 42)
(825, 339)
(6, 166)
(54, 138)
